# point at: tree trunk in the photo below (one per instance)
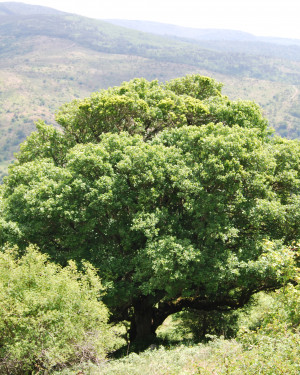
(142, 327)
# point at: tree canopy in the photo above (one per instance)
(177, 195)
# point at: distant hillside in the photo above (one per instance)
(199, 34)
(104, 37)
(48, 58)
(225, 41)
(181, 31)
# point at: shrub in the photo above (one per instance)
(203, 324)
(284, 311)
(49, 316)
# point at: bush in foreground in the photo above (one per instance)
(49, 316)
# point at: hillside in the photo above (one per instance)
(199, 34)
(48, 58)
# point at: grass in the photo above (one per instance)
(273, 349)
(268, 356)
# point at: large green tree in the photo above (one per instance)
(179, 196)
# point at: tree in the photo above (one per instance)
(171, 196)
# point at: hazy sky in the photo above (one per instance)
(259, 17)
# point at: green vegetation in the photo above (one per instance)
(49, 316)
(177, 195)
(269, 348)
(181, 198)
(269, 356)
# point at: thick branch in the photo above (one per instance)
(225, 303)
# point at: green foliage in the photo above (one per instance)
(138, 107)
(284, 314)
(47, 142)
(199, 88)
(205, 324)
(179, 202)
(49, 316)
(265, 314)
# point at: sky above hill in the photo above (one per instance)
(278, 18)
